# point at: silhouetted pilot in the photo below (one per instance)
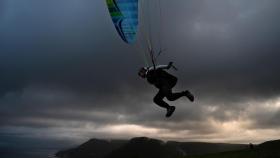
(164, 82)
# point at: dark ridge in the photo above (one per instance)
(269, 149)
(196, 148)
(270, 145)
(94, 148)
(143, 147)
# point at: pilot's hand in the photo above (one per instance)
(170, 65)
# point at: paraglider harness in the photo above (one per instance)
(155, 73)
(154, 59)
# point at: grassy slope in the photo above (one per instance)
(255, 153)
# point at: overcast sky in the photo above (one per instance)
(65, 74)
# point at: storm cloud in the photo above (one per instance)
(65, 73)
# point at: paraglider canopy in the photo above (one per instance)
(124, 14)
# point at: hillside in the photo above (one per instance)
(94, 148)
(269, 149)
(144, 147)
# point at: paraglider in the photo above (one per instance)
(125, 16)
(164, 82)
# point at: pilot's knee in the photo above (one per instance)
(157, 100)
(169, 97)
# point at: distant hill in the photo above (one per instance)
(143, 147)
(195, 148)
(270, 145)
(94, 148)
(146, 148)
(269, 149)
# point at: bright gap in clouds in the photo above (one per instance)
(241, 129)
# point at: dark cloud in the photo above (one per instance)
(62, 64)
